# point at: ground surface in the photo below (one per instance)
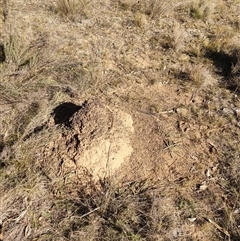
(120, 120)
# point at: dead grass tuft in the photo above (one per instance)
(202, 9)
(121, 211)
(227, 65)
(158, 8)
(73, 10)
(174, 67)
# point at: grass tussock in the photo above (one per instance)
(155, 9)
(73, 10)
(202, 9)
(227, 65)
(158, 9)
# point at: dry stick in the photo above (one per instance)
(217, 226)
(172, 145)
(86, 214)
(108, 157)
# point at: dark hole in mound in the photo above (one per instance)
(223, 62)
(1, 147)
(228, 66)
(63, 112)
(1, 143)
(234, 87)
(2, 53)
(184, 76)
(2, 164)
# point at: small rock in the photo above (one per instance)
(237, 211)
(177, 232)
(203, 187)
(184, 57)
(182, 111)
(237, 111)
(207, 173)
(228, 111)
(183, 126)
(191, 219)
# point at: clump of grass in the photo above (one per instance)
(26, 61)
(19, 122)
(221, 40)
(153, 8)
(140, 19)
(186, 207)
(173, 39)
(72, 10)
(104, 211)
(124, 5)
(227, 65)
(158, 8)
(201, 9)
(15, 51)
(122, 211)
(24, 118)
(194, 74)
(168, 42)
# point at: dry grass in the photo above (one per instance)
(202, 9)
(158, 9)
(180, 60)
(73, 10)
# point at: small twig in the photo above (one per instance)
(170, 146)
(108, 156)
(11, 103)
(166, 111)
(86, 214)
(217, 226)
(20, 216)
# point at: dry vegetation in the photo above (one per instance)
(174, 66)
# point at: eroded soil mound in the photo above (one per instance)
(156, 156)
(93, 138)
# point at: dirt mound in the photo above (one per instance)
(93, 138)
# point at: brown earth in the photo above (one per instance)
(94, 138)
(120, 120)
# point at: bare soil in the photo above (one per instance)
(120, 120)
